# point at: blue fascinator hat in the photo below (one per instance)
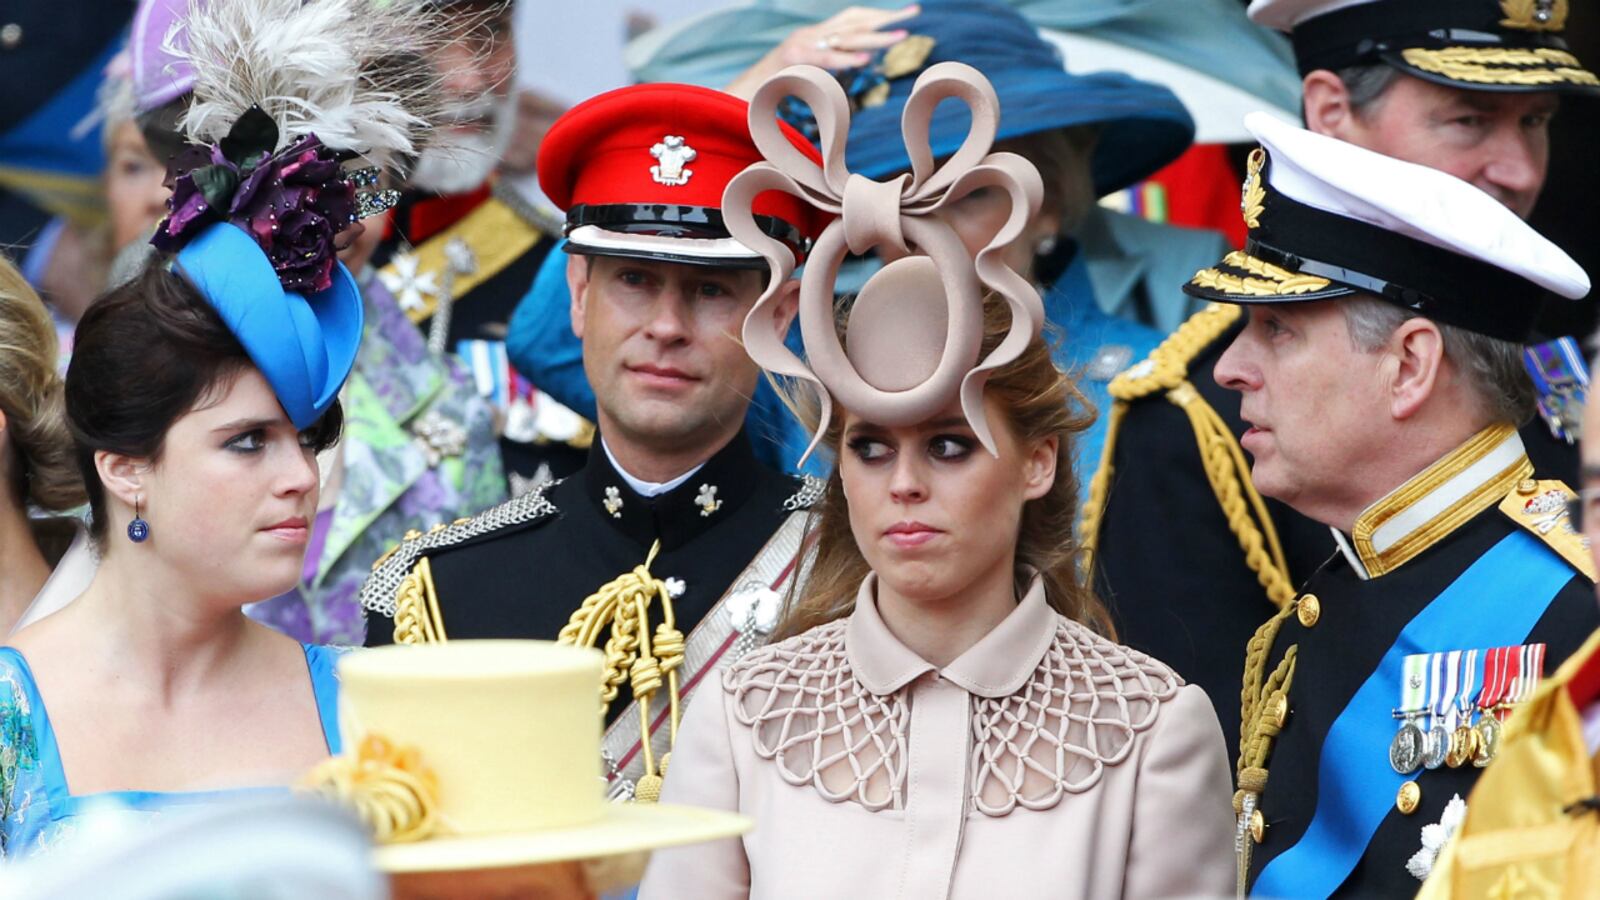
(304, 343)
(1143, 126)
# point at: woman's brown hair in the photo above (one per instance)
(43, 471)
(1037, 401)
(145, 354)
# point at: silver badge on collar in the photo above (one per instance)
(674, 157)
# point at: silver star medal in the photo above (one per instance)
(1435, 836)
(439, 436)
(409, 286)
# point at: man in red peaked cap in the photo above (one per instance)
(671, 496)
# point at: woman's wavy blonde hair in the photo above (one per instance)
(1037, 401)
(44, 471)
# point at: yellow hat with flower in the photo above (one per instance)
(486, 754)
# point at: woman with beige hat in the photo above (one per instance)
(948, 716)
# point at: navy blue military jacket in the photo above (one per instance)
(524, 579)
(1474, 553)
(1198, 608)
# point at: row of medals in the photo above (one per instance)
(1414, 748)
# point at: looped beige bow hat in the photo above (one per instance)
(915, 331)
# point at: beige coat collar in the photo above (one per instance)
(996, 666)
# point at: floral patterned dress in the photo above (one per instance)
(38, 811)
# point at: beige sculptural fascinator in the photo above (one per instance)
(915, 331)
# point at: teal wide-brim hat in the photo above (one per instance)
(1142, 126)
(304, 344)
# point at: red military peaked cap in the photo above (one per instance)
(641, 170)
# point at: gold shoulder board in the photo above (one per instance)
(1541, 508)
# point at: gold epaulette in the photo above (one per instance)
(496, 235)
(403, 576)
(1167, 366)
(1541, 508)
(1166, 371)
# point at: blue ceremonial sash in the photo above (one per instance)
(1495, 602)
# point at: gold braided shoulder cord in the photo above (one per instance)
(417, 619)
(1228, 472)
(632, 653)
(1165, 368)
(1257, 731)
(1222, 458)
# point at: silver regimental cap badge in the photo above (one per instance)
(674, 156)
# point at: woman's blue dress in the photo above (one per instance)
(37, 810)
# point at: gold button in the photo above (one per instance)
(1277, 711)
(1527, 486)
(1309, 609)
(1409, 798)
(1258, 826)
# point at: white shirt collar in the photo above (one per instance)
(647, 488)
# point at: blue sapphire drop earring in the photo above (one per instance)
(138, 529)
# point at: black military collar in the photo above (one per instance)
(712, 494)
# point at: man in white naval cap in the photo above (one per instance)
(1385, 302)
(1467, 87)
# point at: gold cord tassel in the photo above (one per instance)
(633, 654)
(1265, 702)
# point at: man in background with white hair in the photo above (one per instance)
(1386, 305)
(462, 246)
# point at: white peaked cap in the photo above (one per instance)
(1411, 200)
(1284, 15)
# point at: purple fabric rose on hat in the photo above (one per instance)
(294, 203)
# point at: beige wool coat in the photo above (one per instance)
(1046, 761)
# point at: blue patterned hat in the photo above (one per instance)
(1142, 126)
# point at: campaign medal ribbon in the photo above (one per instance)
(1464, 740)
(1406, 750)
(1532, 672)
(1496, 686)
(1441, 701)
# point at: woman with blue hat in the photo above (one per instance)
(1109, 276)
(419, 445)
(198, 396)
